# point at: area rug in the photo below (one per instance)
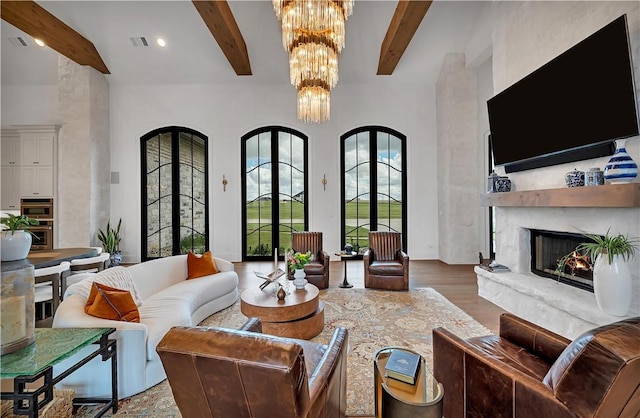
(374, 318)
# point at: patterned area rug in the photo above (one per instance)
(374, 318)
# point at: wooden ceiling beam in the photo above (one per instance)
(219, 19)
(405, 22)
(35, 21)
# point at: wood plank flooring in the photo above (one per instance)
(455, 282)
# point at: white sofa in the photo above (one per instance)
(167, 300)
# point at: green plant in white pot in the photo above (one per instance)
(611, 275)
(16, 238)
(110, 239)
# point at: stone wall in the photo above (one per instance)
(191, 171)
(527, 35)
(83, 197)
(457, 129)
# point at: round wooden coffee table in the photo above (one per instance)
(299, 315)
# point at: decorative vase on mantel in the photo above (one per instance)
(612, 285)
(299, 280)
(621, 168)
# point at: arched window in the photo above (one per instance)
(374, 178)
(175, 215)
(274, 187)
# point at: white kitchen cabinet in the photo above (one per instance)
(36, 181)
(10, 199)
(36, 148)
(10, 150)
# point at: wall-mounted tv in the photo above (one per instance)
(570, 109)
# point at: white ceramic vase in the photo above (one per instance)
(612, 285)
(16, 245)
(299, 280)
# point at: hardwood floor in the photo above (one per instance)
(455, 282)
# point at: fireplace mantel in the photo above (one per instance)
(580, 210)
(607, 196)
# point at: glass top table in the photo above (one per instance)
(51, 347)
(35, 362)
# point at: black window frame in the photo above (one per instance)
(175, 132)
(275, 187)
(373, 192)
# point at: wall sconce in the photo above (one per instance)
(224, 183)
(324, 182)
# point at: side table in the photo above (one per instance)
(344, 257)
(396, 399)
(35, 362)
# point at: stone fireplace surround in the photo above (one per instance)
(561, 308)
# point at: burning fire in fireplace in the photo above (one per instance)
(558, 256)
(575, 264)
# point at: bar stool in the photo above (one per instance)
(47, 292)
(85, 265)
(89, 264)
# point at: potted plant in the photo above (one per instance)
(16, 237)
(295, 263)
(110, 239)
(610, 255)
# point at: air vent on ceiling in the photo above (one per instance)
(18, 41)
(139, 41)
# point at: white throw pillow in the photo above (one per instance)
(119, 277)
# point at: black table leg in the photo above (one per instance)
(345, 283)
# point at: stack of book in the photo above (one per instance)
(403, 366)
(494, 267)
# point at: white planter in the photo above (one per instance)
(15, 246)
(299, 280)
(612, 285)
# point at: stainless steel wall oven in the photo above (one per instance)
(42, 210)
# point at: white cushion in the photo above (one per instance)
(118, 277)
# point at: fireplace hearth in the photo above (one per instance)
(548, 247)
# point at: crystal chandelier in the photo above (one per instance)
(313, 35)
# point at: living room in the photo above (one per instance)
(444, 118)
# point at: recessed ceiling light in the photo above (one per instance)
(161, 42)
(38, 42)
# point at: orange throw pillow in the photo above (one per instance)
(198, 266)
(111, 303)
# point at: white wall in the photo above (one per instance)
(527, 35)
(485, 92)
(29, 105)
(225, 113)
(457, 127)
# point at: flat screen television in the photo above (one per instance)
(572, 108)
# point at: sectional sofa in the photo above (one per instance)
(168, 300)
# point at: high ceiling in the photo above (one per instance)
(192, 55)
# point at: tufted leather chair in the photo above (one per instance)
(527, 371)
(224, 373)
(317, 271)
(386, 266)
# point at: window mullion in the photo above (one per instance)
(275, 190)
(373, 179)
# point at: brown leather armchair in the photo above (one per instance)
(224, 373)
(386, 266)
(317, 271)
(528, 371)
